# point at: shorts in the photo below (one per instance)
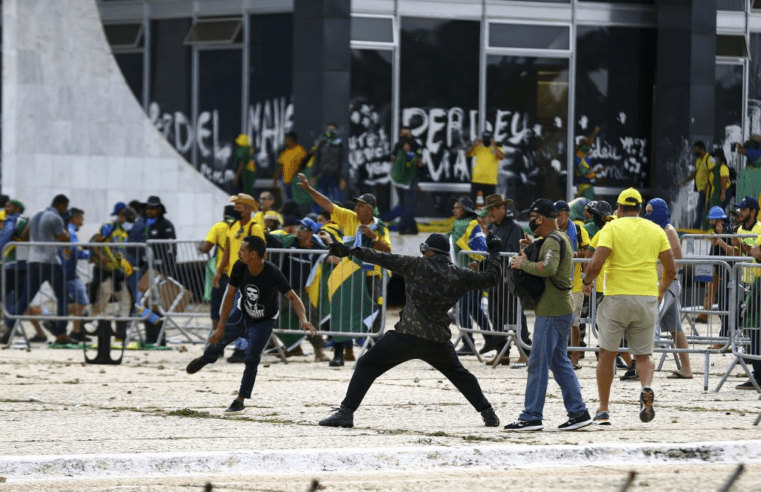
(669, 311)
(76, 292)
(632, 316)
(578, 304)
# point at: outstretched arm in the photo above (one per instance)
(318, 197)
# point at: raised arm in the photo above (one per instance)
(318, 197)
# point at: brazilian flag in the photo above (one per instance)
(350, 302)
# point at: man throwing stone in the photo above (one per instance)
(432, 286)
(632, 247)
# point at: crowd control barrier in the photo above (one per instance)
(88, 284)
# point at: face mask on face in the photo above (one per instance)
(584, 149)
(127, 226)
(533, 225)
(487, 141)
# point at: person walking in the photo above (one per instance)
(253, 316)
(432, 286)
(554, 317)
(630, 247)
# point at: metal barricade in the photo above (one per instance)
(83, 291)
(495, 311)
(745, 308)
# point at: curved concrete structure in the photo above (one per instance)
(71, 124)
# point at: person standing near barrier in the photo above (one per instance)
(503, 308)
(467, 235)
(288, 163)
(579, 239)
(217, 238)
(718, 222)
(362, 228)
(704, 163)
(630, 247)
(44, 264)
(432, 286)
(670, 312)
(75, 288)
(554, 318)
(257, 283)
(245, 205)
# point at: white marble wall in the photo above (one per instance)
(71, 125)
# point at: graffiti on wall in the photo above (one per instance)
(369, 144)
(267, 123)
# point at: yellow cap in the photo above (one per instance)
(629, 196)
(242, 140)
(244, 199)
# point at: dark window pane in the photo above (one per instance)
(370, 123)
(131, 65)
(529, 36)
(270, 111)
(730, 5)
(615, 92)
(732, 45)
(125, 35)
(170, 77)
(728, 104)
(621, 1)
(372, 29)
(215, 31)
(439, 99)
(219, 113)
(754, 85)
(527, 113)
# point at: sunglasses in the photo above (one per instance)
(302, 228)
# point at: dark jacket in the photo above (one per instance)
(509, 232)
(432, 286)
(164, 258)
(329, 160)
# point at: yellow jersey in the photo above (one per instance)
(235, 236)
(218, 237)
(290, 159)
(485, 166)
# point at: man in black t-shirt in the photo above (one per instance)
(256, 308)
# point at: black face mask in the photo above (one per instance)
(533, 225)
(487, 142)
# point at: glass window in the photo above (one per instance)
(131, 65)
(527, 114)
(439, 100)
(370, 122)
(219, 114)
(270, 112)
(124, 35)
(374, 29)
(170, 78)
(736, 5)
(216, 31)
(728, 104)
(614, 91)
(529, 36)
(754, 85)
(731, 45)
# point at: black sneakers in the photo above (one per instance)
(630, 375)
(490, 417)
(236, 406)
(582, 420)
(747, 385)
(342, 418)
(525, 425)
(646, 410)
(195, 365)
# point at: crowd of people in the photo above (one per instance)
(118, 272)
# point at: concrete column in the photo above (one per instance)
(321, 66)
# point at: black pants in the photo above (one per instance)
(395, 348)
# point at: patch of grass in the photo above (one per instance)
(276, 421)
(186, 412)
(439, 434)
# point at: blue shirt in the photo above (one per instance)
(71, 255)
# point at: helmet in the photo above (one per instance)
(600, 207)
(716, 213)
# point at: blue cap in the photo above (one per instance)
(309, 223)
(118, 207)
(562, 206)
(748, 202)
(716, 213)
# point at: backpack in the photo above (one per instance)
(527, 287)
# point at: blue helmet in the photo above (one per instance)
(716, 213)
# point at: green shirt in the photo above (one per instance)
(554, 301)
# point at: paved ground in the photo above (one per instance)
(147, 425)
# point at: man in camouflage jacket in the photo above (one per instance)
(432, 286)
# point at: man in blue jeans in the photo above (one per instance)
(554, 317)
(253, 315)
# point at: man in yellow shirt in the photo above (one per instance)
(362, 229)
(239, 230)
(217, 237)
(289, 163)
(703, 165)
(487, 155)
(630, 247)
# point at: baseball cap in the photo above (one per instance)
(19, 204)
(562, 206)
(629, 196)
(367, 198)
(544, 207)
(748, 202)
(118, 207)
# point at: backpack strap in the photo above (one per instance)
(562, 254)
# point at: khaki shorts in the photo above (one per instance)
(578, 304)
(632, 316)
